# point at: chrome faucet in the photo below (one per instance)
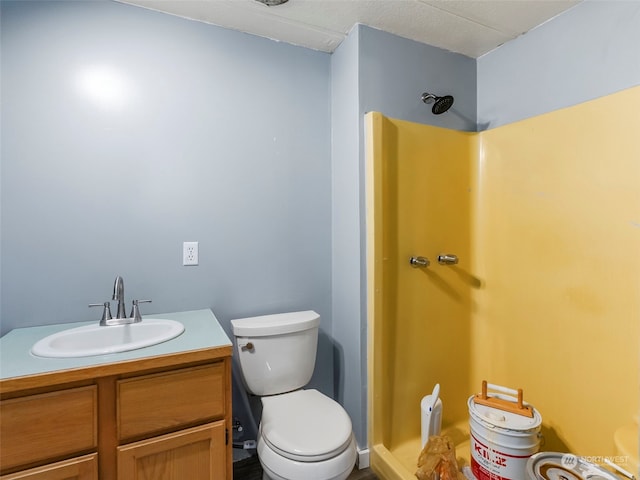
(121, 316)
(118, 294)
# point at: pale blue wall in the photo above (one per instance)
(350, 350)
(225, 139)
(394, 72)
(587, 52)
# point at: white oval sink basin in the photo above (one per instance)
(100, 340)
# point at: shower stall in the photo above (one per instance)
(542, 218)
(420, 199)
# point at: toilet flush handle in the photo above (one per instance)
(246, 346)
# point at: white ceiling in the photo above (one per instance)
(470, 27)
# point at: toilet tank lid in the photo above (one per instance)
(276, 324)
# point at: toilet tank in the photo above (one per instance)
(277, 353)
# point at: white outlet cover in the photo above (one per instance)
(190, 253)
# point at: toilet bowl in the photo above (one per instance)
(303, 434)
(275, 467)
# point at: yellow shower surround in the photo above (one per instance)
(544, 215)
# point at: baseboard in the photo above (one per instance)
(363, 458)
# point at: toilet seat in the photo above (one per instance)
(305, 426)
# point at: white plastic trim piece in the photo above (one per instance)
(363, 458)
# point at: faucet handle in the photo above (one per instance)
(106, 313)
(135, 311)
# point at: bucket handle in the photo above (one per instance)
(518, 407)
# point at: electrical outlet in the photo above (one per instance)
(190, 253)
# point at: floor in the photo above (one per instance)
(364, 474)
(249, 469)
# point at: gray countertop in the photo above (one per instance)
(202, 331)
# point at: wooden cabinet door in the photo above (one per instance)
(197, 453)
(80, 468)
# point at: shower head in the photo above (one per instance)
(440, 104)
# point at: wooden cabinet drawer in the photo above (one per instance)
(80, 468)
(165, 401)
(47, 426)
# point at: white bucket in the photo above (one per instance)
(501, 442)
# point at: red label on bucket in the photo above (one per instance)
(490, 464)
(481, 474)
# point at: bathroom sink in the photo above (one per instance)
(94, 339)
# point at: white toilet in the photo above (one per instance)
(303, 434)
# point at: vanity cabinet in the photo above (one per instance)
(165, 417)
